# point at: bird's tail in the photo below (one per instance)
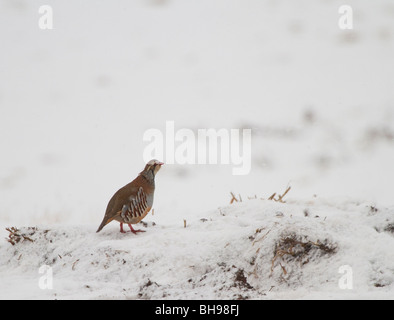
(102, 225)
(107, 219)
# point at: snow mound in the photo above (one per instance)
(256, 249)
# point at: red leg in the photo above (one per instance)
(121, 228)
(134, 231)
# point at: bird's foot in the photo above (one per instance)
(135, 231)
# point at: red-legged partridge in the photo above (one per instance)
(132, 203)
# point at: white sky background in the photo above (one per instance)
(76, 100)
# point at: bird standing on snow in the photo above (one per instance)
(132, 203)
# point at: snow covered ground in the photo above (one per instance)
(257, 249)
(75, 102)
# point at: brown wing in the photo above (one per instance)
(116, 203)
(136, 209)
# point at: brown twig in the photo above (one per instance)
(262, 238)
(283, 269)
(282, 196)
(272, 196)
(75, 262)
(233, 198)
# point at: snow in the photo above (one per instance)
(205, 259)
(75, 102)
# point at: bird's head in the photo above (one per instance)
(152, 167)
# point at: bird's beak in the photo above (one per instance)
(160, 163)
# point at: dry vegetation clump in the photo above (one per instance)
(241, 280)
(295, 248)
(389, 228)
(15, 235)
